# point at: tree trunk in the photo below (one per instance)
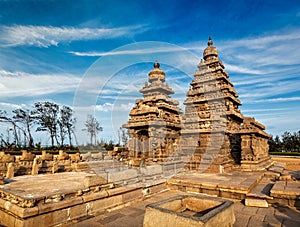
(31, 144)
(70, 137)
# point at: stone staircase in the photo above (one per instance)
(259, 195)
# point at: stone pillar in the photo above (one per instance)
(10, 170)
(35, 168)
(54, 167)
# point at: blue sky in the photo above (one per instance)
(49, 48)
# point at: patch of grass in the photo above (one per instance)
(285, 153)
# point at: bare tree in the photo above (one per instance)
(5, 118)
(27, 119)
(47, 113)
(122, 136)
(92, 127)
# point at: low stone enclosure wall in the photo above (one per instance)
(31, 164)
(190, 210)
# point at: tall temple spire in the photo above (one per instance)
(211, 52)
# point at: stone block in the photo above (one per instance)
(256, 202)
(119, 190)
(55, 218)
(132, 195)
(95, 196)
(78, 211)
(19, 211)
(122, 176)
(157, 188)
(46, 156)
(94, 180)
(6, 219)
(10, 170)
(192, 189)
(53, 206)
(101, 205)
(152, 170)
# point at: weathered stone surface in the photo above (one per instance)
(152, 170)
(94, 180)
(102, 204)
(52, 206)
(121, 176)
(46, 156)
(27, 156)
(256, 202)
(62, 155)
(10, 170)
(17, 210)
(35, 167)
(6, 158)
(95, 196)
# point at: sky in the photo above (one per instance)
(95, 55)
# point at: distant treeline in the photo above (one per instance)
(288, 142)
(57, 121)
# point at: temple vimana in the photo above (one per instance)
(206, 165)
(212, 129)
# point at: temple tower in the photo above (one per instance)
(154, 125)
(213, 125)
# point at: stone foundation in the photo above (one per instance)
(49, 202)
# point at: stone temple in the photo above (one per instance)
(212, 131)
(154, 125)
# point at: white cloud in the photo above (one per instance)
(16, 84)
(45, 36)
(238, 69)
(278, 99)
(262, 42)
(7, 105)
(145, 50)
(106, 107)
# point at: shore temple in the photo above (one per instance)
(212, 128)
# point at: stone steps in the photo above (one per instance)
(276, 170)
(259, 195)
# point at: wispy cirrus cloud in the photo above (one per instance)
(144, 50)
(7, 105)
(16, 84)
(107, 107)
(45, 36)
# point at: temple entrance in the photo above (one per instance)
(235, 148)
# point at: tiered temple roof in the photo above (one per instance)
(212, 115)
(154, 124)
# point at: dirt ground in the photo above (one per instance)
(292, 164)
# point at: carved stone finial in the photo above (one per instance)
(156, 64)
(210, 42)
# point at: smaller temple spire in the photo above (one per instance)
(210, 42)
(156, 64)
